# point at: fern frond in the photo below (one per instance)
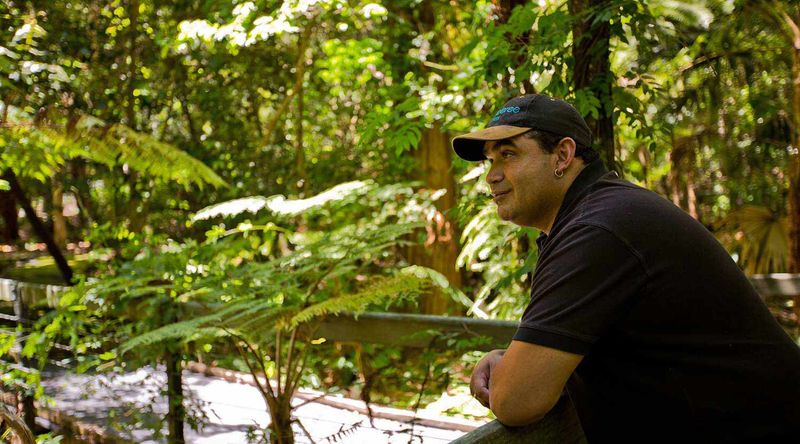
(117, 143)
(381, 289)
(44, 148)
(234, 316)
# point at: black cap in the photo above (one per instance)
(522, 114)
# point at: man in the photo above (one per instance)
(635, 308)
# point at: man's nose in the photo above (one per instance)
(495, 173)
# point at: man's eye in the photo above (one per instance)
(506, 154)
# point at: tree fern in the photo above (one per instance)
(228, 289)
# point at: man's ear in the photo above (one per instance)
(565, 152)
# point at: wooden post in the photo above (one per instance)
(25, 403)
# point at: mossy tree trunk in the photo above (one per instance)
(434, 165)
(440, 249)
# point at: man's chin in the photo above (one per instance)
(504, 214)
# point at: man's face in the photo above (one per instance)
(523, 185)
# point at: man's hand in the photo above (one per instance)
(479, 384)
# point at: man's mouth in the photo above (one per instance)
(499, 194)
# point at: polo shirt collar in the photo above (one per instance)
(590, 174)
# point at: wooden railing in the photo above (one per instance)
(559, 426)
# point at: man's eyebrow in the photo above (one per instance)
(496, 146)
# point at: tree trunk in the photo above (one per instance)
(280, 426)
(133, 52)
(592, 70)
(441, 247)
(8, 212)
(794, 166)
(691, 197)
(59, 221)
(682, 158)
(82, 193)
(8, 209)
(674, 186)
(303, 42)
(300, 160)
(38, 227)
(176, 412)
(434, 162)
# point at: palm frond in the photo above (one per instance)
(760, 236)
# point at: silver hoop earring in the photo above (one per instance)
(559, 173)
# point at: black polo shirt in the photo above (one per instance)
(677, 345)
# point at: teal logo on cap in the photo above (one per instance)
(506, 110)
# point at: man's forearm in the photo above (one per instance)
(527, 382)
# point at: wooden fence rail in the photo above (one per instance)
(412, 330)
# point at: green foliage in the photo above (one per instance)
(39, 152)
(30, 152)
(49, 438)
(117, 144)
(396, 127)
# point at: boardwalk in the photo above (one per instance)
(231, 408)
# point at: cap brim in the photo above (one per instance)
(470, 146)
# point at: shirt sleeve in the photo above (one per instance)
(581, 287)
